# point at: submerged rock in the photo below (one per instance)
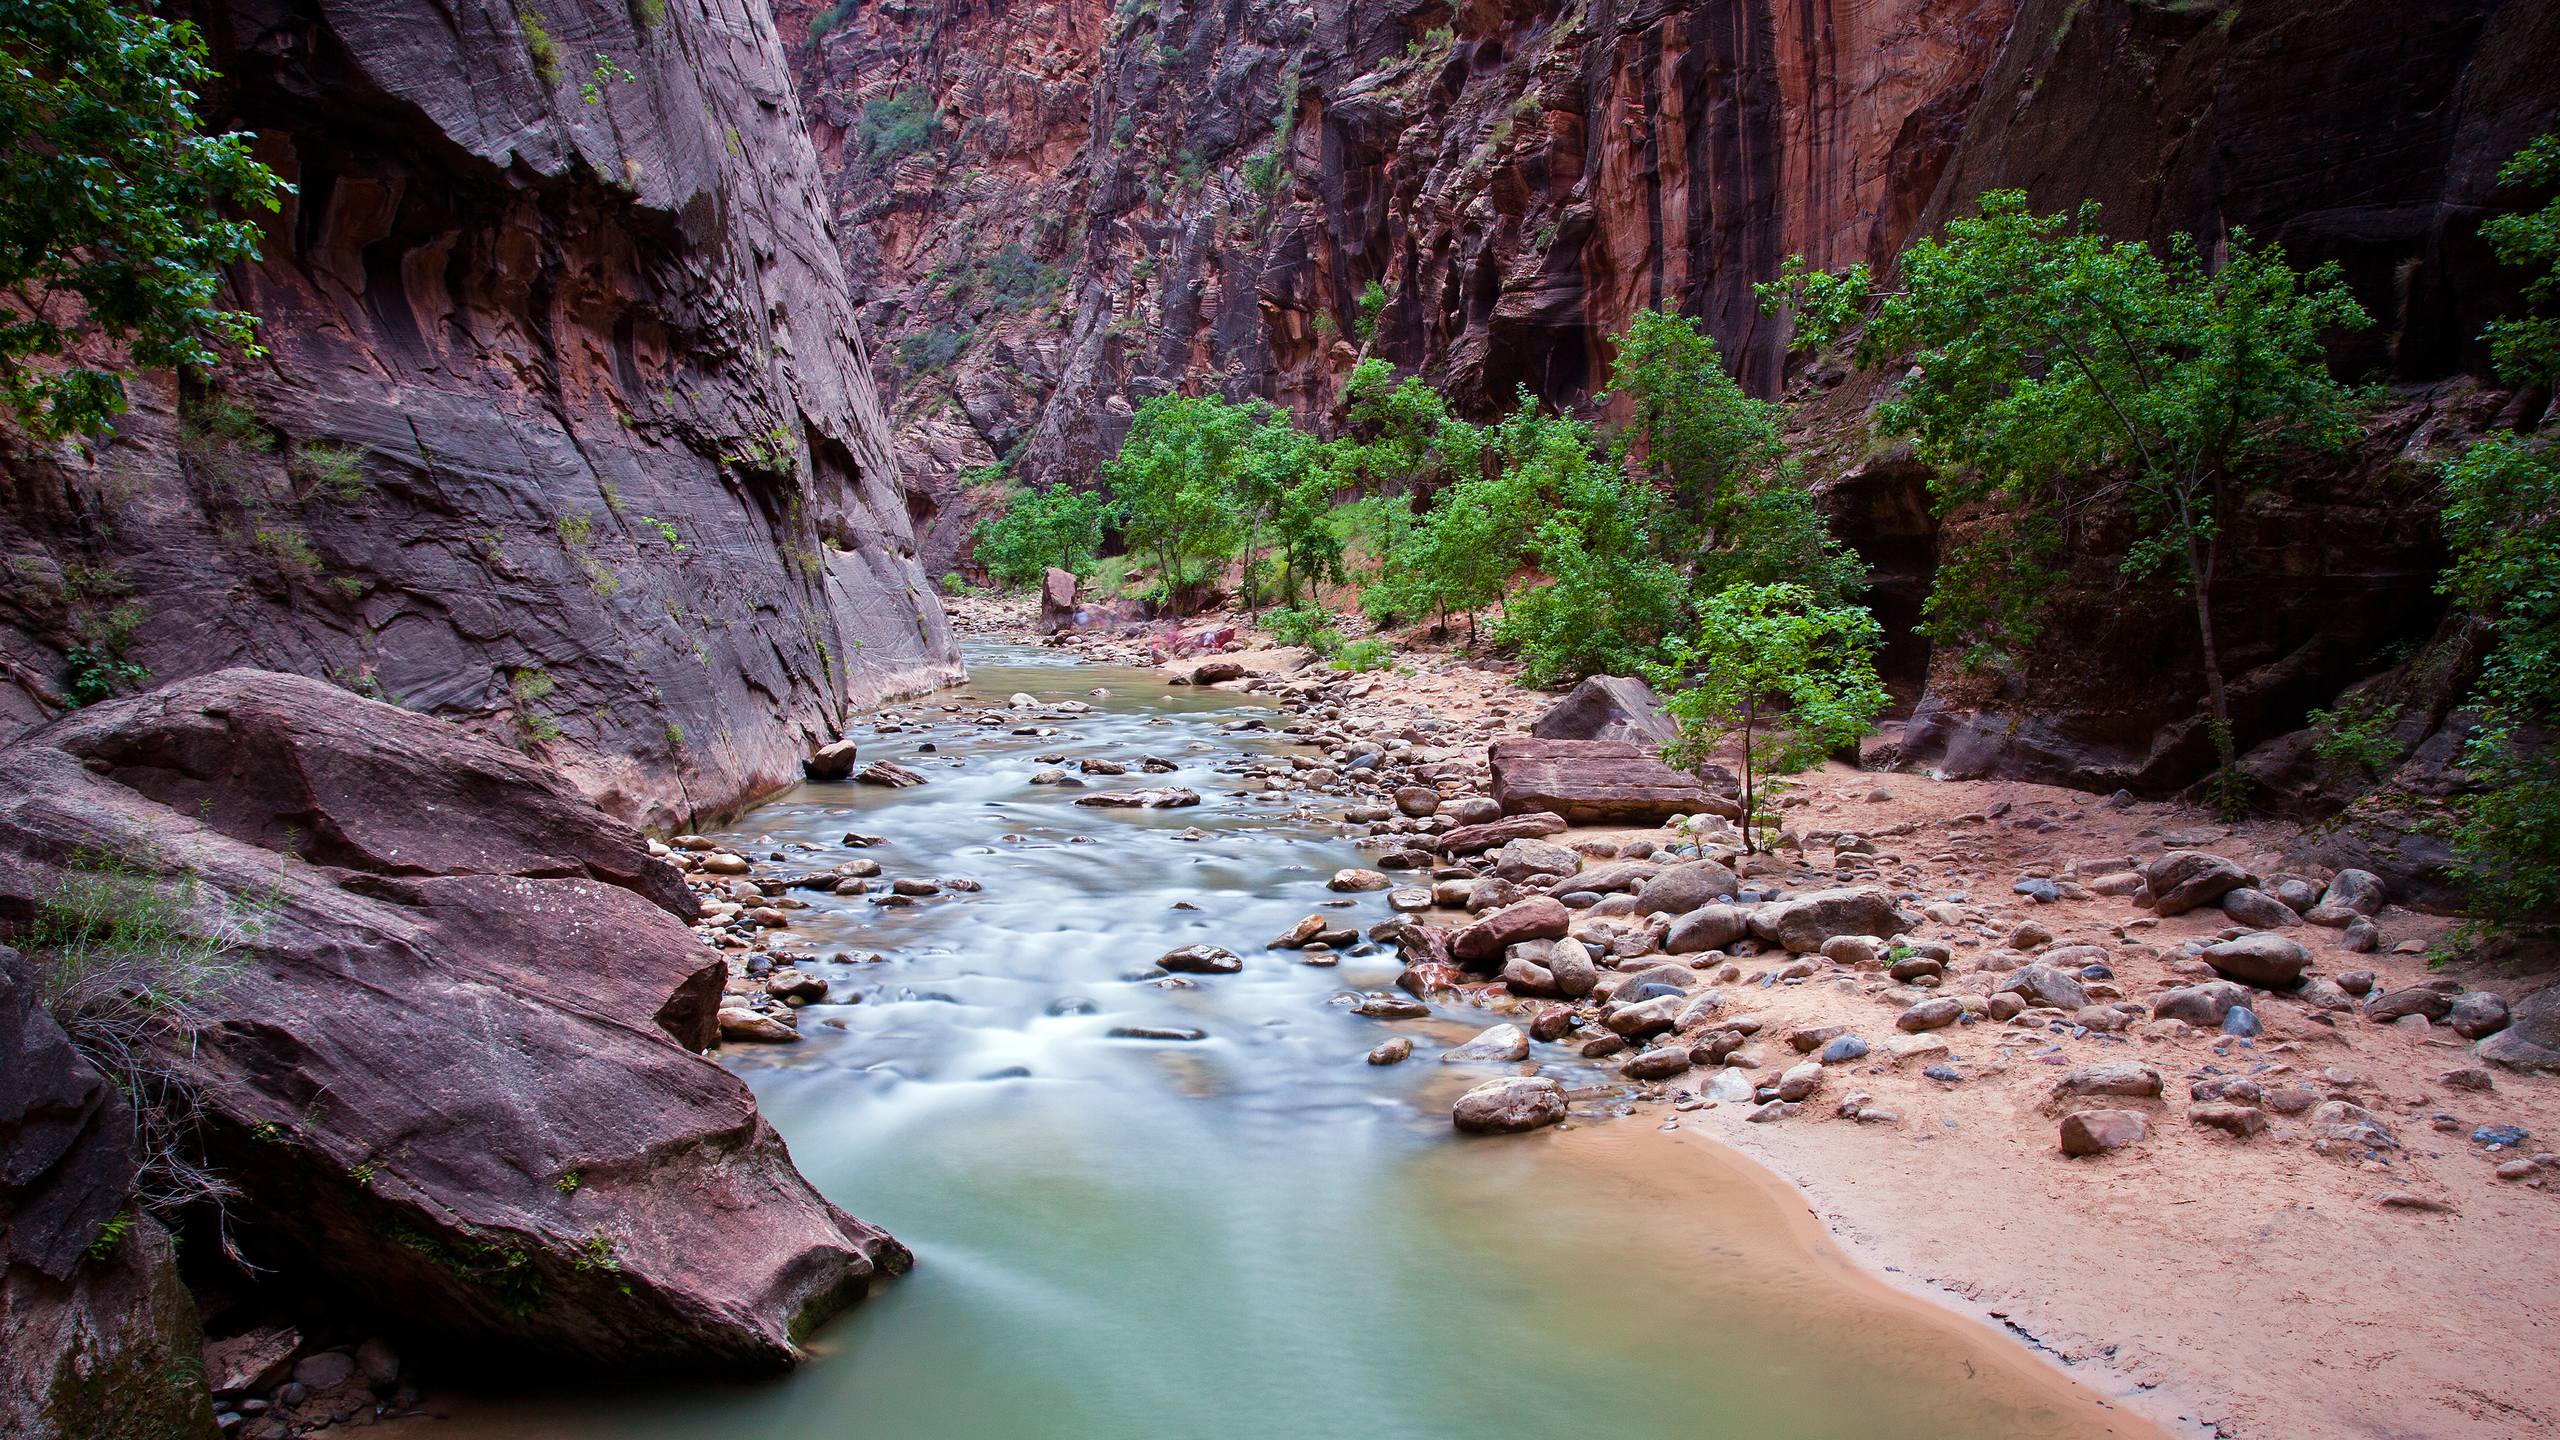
(1508, 1106)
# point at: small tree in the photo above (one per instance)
(1175, 481)
(2502, 525)
(111, 206)
(2526, 348)
(2056, 371)
(1793, 679)
(1060, 526)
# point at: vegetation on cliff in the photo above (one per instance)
(117, 213)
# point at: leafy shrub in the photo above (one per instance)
(1372, 303)
(2502, 523)
(336, 469)
(1060, 526)
(1362, 655)
(895, 126)
(2357, 736)
(934, 349)
(1308, 625)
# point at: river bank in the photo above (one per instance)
(2293, 1274)
(1155, 1199)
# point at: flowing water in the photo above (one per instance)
(1252, 1235)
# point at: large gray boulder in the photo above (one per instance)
(1804, 922)
(2181, 880)
(2531, 1040)
(2265, 959)
(1608, 707)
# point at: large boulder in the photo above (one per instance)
(1608, 707)
(1804, 922)
(100, 1338)
(2265, 959)
(453, 1071)
(1509, 1106)
(1599, 782)
(2531, 1040)
(1057, 600)
(1469, 839)
(1540, 918)
(2181, 880)
(1684, 888)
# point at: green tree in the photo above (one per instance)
(2056, 371)
(112, 202)
(2526, 349)
(1793, 679)
(1060, 526)
(2502, 525)
(1176, 482)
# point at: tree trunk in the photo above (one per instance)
(1750, 807)
(2201, 559)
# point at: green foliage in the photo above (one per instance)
(1060, 526)
(829, 17)
(1372, 304)
(2058, 372)
(1737, 504)
(666, 532)
(96, 674)
(1359, 656)
(127, 961)
(1793, 679)
(2526, 349)
(1264, 172)
(607, 70)
(1180, 479)
(2356, 736)
(538, 44)
(1308, 625)
(2502, 524)
(897, 125)
(337, 470)
(111, 1235)
(934, 349)
(112, 206)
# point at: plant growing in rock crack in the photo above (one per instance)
(1791, 679)
(127, 960)
(2056, 373)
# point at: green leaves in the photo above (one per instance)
(1060, 526)
(2053, 372)
(2526, 349)
(1794, 679)
(112, 206)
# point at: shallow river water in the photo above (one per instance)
(1253, 1236)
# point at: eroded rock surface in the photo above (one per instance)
(566, 433)
(452, 1071)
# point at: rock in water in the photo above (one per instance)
(1509, 1105)
(831, 762)
(1498, 1043)
(428, 906)
(1057, 600)
(1169, 798)
(1201, 960)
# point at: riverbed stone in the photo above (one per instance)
(1509, 1106)
(1505, 1043)
(2265, 959)
(1392, 1052)
(1201, 960)
(1540, 918)
(1709, 927)
(1686, 887)
(1805, 921)
(1660, 1063)
(2181, 880)
(2096, 1132)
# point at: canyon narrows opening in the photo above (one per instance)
(1249, 1233)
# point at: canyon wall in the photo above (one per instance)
(1053, 211)
(565, 430)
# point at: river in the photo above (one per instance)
(1253, 1235)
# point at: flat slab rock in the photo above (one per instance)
(1597, 782)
